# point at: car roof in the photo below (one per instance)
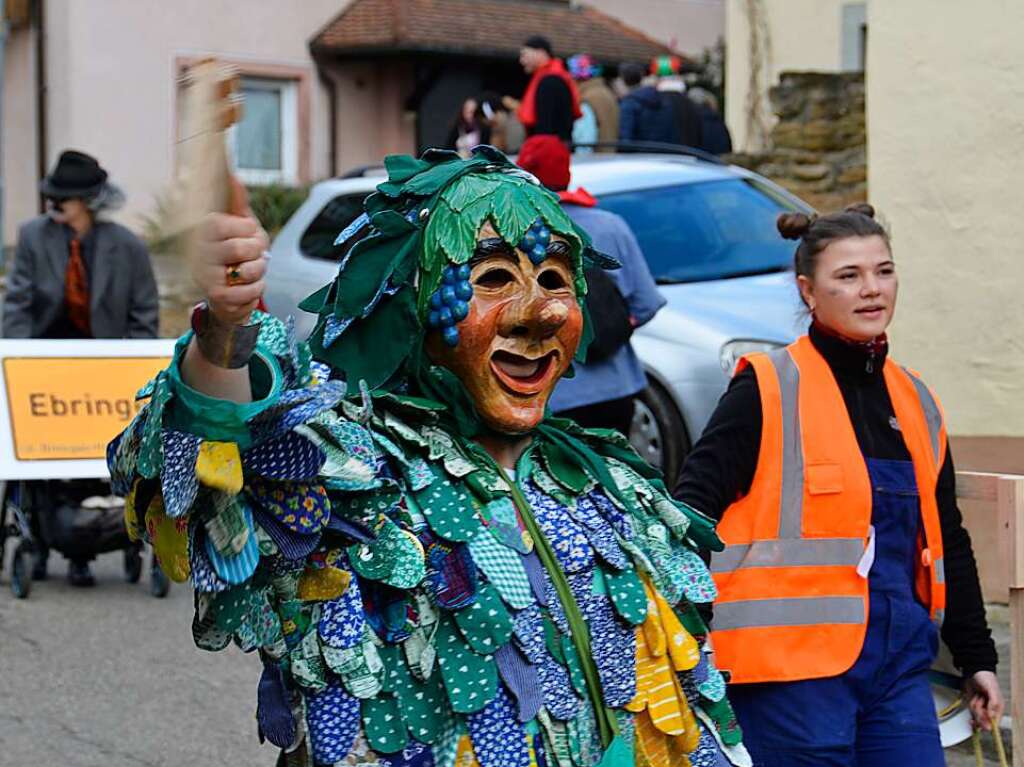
(607, 173)
(598, 173)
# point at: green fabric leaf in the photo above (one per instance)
(722, 715)
(511, 213)
(402, 167)
(564, 466)
(504, 569)
(469, 190)
(470, 679)
(627, 594)
(449, 510)
(392, 557)
(360, 355)
(383, 725)
(572, 662)
(370, 265)
(486, 625)
(618, 754)
(316, 302)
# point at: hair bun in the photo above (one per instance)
(861, 207)
(793, 226)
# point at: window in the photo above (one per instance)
(263, 144)
(705, 231)
(318, 239)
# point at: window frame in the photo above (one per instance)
(287, 175)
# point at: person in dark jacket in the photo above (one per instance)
(865, 463)
(76, 275)
(673, 92)
(643, 114)
(715, 137)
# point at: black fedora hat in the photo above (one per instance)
(75, 175)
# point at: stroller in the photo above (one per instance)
(78, 518)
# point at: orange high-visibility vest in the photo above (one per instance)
(791, 602)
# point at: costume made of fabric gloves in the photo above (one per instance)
(411, 604)
(395, 593)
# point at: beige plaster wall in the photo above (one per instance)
(945, 106)
(803, 35)
(688, 26)
(371, 121)
(112, 78)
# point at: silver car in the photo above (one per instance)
(708, 233)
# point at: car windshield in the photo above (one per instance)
(706, 231)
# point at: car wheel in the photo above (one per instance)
(658, 433)
(21, 575)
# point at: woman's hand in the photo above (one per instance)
(229, 261)
(985, 699)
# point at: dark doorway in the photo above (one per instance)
(442, 85)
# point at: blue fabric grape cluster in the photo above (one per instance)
(449, 304)
(535, 242)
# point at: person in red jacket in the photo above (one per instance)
(551, 103)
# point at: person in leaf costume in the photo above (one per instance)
(431, 569)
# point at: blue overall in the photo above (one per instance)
(880, 712)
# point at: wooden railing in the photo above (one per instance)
(1002, 497)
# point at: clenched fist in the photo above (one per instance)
(228, 259)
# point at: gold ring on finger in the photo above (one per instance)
(233, 274)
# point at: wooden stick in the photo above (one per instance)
(1010, 514)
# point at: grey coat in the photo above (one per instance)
(123, 300)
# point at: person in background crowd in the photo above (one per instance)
(673, 92)
(601, 393)
(551, 103)
(829, 469)
(715, 138)
(507, 132)
(78, 276)
(600, 121)
(469, 129)
(643, 115)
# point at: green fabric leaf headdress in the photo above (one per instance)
(425, 217)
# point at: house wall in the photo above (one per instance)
(370, 113)
(688, 26)
(944, 115)
(112, 68)
(803, 35)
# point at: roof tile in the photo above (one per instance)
(482, 27)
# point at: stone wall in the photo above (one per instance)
(819, 142)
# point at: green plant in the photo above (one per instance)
(274, 204)
(156, 225)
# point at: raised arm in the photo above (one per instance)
(228, 266)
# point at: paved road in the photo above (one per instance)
(109, 677)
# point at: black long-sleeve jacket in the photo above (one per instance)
(721, 468)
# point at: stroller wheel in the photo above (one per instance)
(159, 583)
(132, 565)
(21, 571)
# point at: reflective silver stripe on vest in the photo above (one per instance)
(940, 570)
(801, 611)
(932, 415)
(803, 552)
(791, 505)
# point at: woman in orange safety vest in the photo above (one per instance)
(828, 467)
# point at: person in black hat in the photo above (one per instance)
(76, 275)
